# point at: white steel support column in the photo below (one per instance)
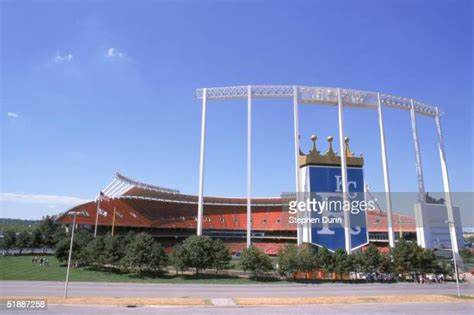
(447, 187)
(201, 163)
(449, 203)
(70, 255)
(419, 166)
(297, 153)
(347, 218)
(97, 215)
(419, 175)
(249, 166)
(386, 179)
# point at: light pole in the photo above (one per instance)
(451, 226)
(75, 213)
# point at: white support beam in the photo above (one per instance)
(201, 164)
(113, 192)
(419, 166)
(317, 95)
(296, 132)
(108, 186)
(449, 202)
(345, 190)
(123, 190)
(446, 184)
(249, 166)
(419, 175)
(115, 183)
(386, 179)
(97, 216)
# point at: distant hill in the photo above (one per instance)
(16, 224)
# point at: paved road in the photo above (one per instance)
(50, 288)
(362, 309)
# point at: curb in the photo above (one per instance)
(242, 302)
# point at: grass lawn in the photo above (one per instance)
(21, 268)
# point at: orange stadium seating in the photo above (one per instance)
(172, 216)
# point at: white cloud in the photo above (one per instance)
(13, 115)
(114, 53)
(63, 58)
(41, 199)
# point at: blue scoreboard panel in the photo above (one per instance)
(327, 229)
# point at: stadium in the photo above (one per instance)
(129, 205)
(171, 217)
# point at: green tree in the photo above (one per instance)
(179, 259)
(199, 251)
(81, 239)
(255, 261)
(23, 240)
(128, 239)
(444, 267)
(341, 262)
(62, 250)
(351, 262)
(113, 250)
(386, 264)
(9, 239)
(409, 257)
(50, 231)
(93, 252)
(36, 240)
(307, 259)
(143, 254)
(288, 262)
(403, 257)
(358, 261)
(220, 256)
(426, 260)
(326, 260)
(372, 259)
(158, 258)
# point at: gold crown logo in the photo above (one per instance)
(314, 157)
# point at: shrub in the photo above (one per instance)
(92, 253)
(199, 252)
(9, 239)
(307, 259)
(341, 262)
(220, 255)
(325, 258)
(255, 261)
(50, 231)
(23, 240)
(36, 240)
(143, 254)
(62, 250)
(372, 259)
(114, 250)
(81, 239)
(386, 264)
(287, 260)
(179, 259)
(403, 257)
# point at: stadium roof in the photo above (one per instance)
(125, 188)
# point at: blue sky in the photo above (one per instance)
(91, 88)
